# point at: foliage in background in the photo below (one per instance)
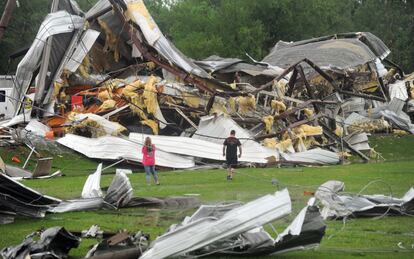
(230, 28)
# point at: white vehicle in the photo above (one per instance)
(6, 105)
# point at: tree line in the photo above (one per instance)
(231, 28)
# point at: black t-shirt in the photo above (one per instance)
(231, 144)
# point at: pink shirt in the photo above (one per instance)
(148, 158)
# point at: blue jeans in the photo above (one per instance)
(150, 169)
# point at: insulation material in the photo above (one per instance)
(152, 124)
(104, 95)
(103, 148)
(92, 186)
(306, 130)
(130, 90)
(270, 143)
(246, 104)
(278, 106)
(191, 100)
(308, 112)
(268, 121)
(98, 124)
(111, 40)
(107, 105)
(280, 88)
(150, 95)
(232, 104)
(137, 106)
(285, 146)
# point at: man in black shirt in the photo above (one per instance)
(230, 151)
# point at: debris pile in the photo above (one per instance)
(109, 77)
(232, 229)
(17, 199)
(338, 204)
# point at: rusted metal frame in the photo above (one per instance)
(383, 89)
(330, 134)
(308, 87)
(300, 107)
(291, 126)
(323, 74)
(399, 69)
(210, 103)
(365, 96)
(149, 56)
(292, 82)
(292, 67)
(268, 84)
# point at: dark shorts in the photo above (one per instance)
(231, 162)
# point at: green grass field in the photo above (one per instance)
(357, 237)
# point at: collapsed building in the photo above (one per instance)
(99, 82)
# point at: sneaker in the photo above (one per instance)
(228, 178)
(158, 183)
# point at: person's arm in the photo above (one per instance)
(240, 148)
(224, 147)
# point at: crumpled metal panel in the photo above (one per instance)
(305, 232)
(92, 186)
(55, 23)
(120, 191)
(342, 51)
(216, 128)
(340, 205)
(203, 149)
(205, 231)
(23, 200)
(215, 63)
(314, 156)
(81, 50)
(55, 242)
(140, 15)
(115, 148)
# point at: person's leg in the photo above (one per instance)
(155, 175)
(147, 174)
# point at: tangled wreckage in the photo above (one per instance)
(108, 77)
(100, 82)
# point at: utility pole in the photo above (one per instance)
(7, 14)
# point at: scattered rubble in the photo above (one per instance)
(338, 204)
(54, 242)
(17, 199)
(114, 78)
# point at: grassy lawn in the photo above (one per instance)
(355, 238)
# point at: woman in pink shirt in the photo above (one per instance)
(148, 160)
